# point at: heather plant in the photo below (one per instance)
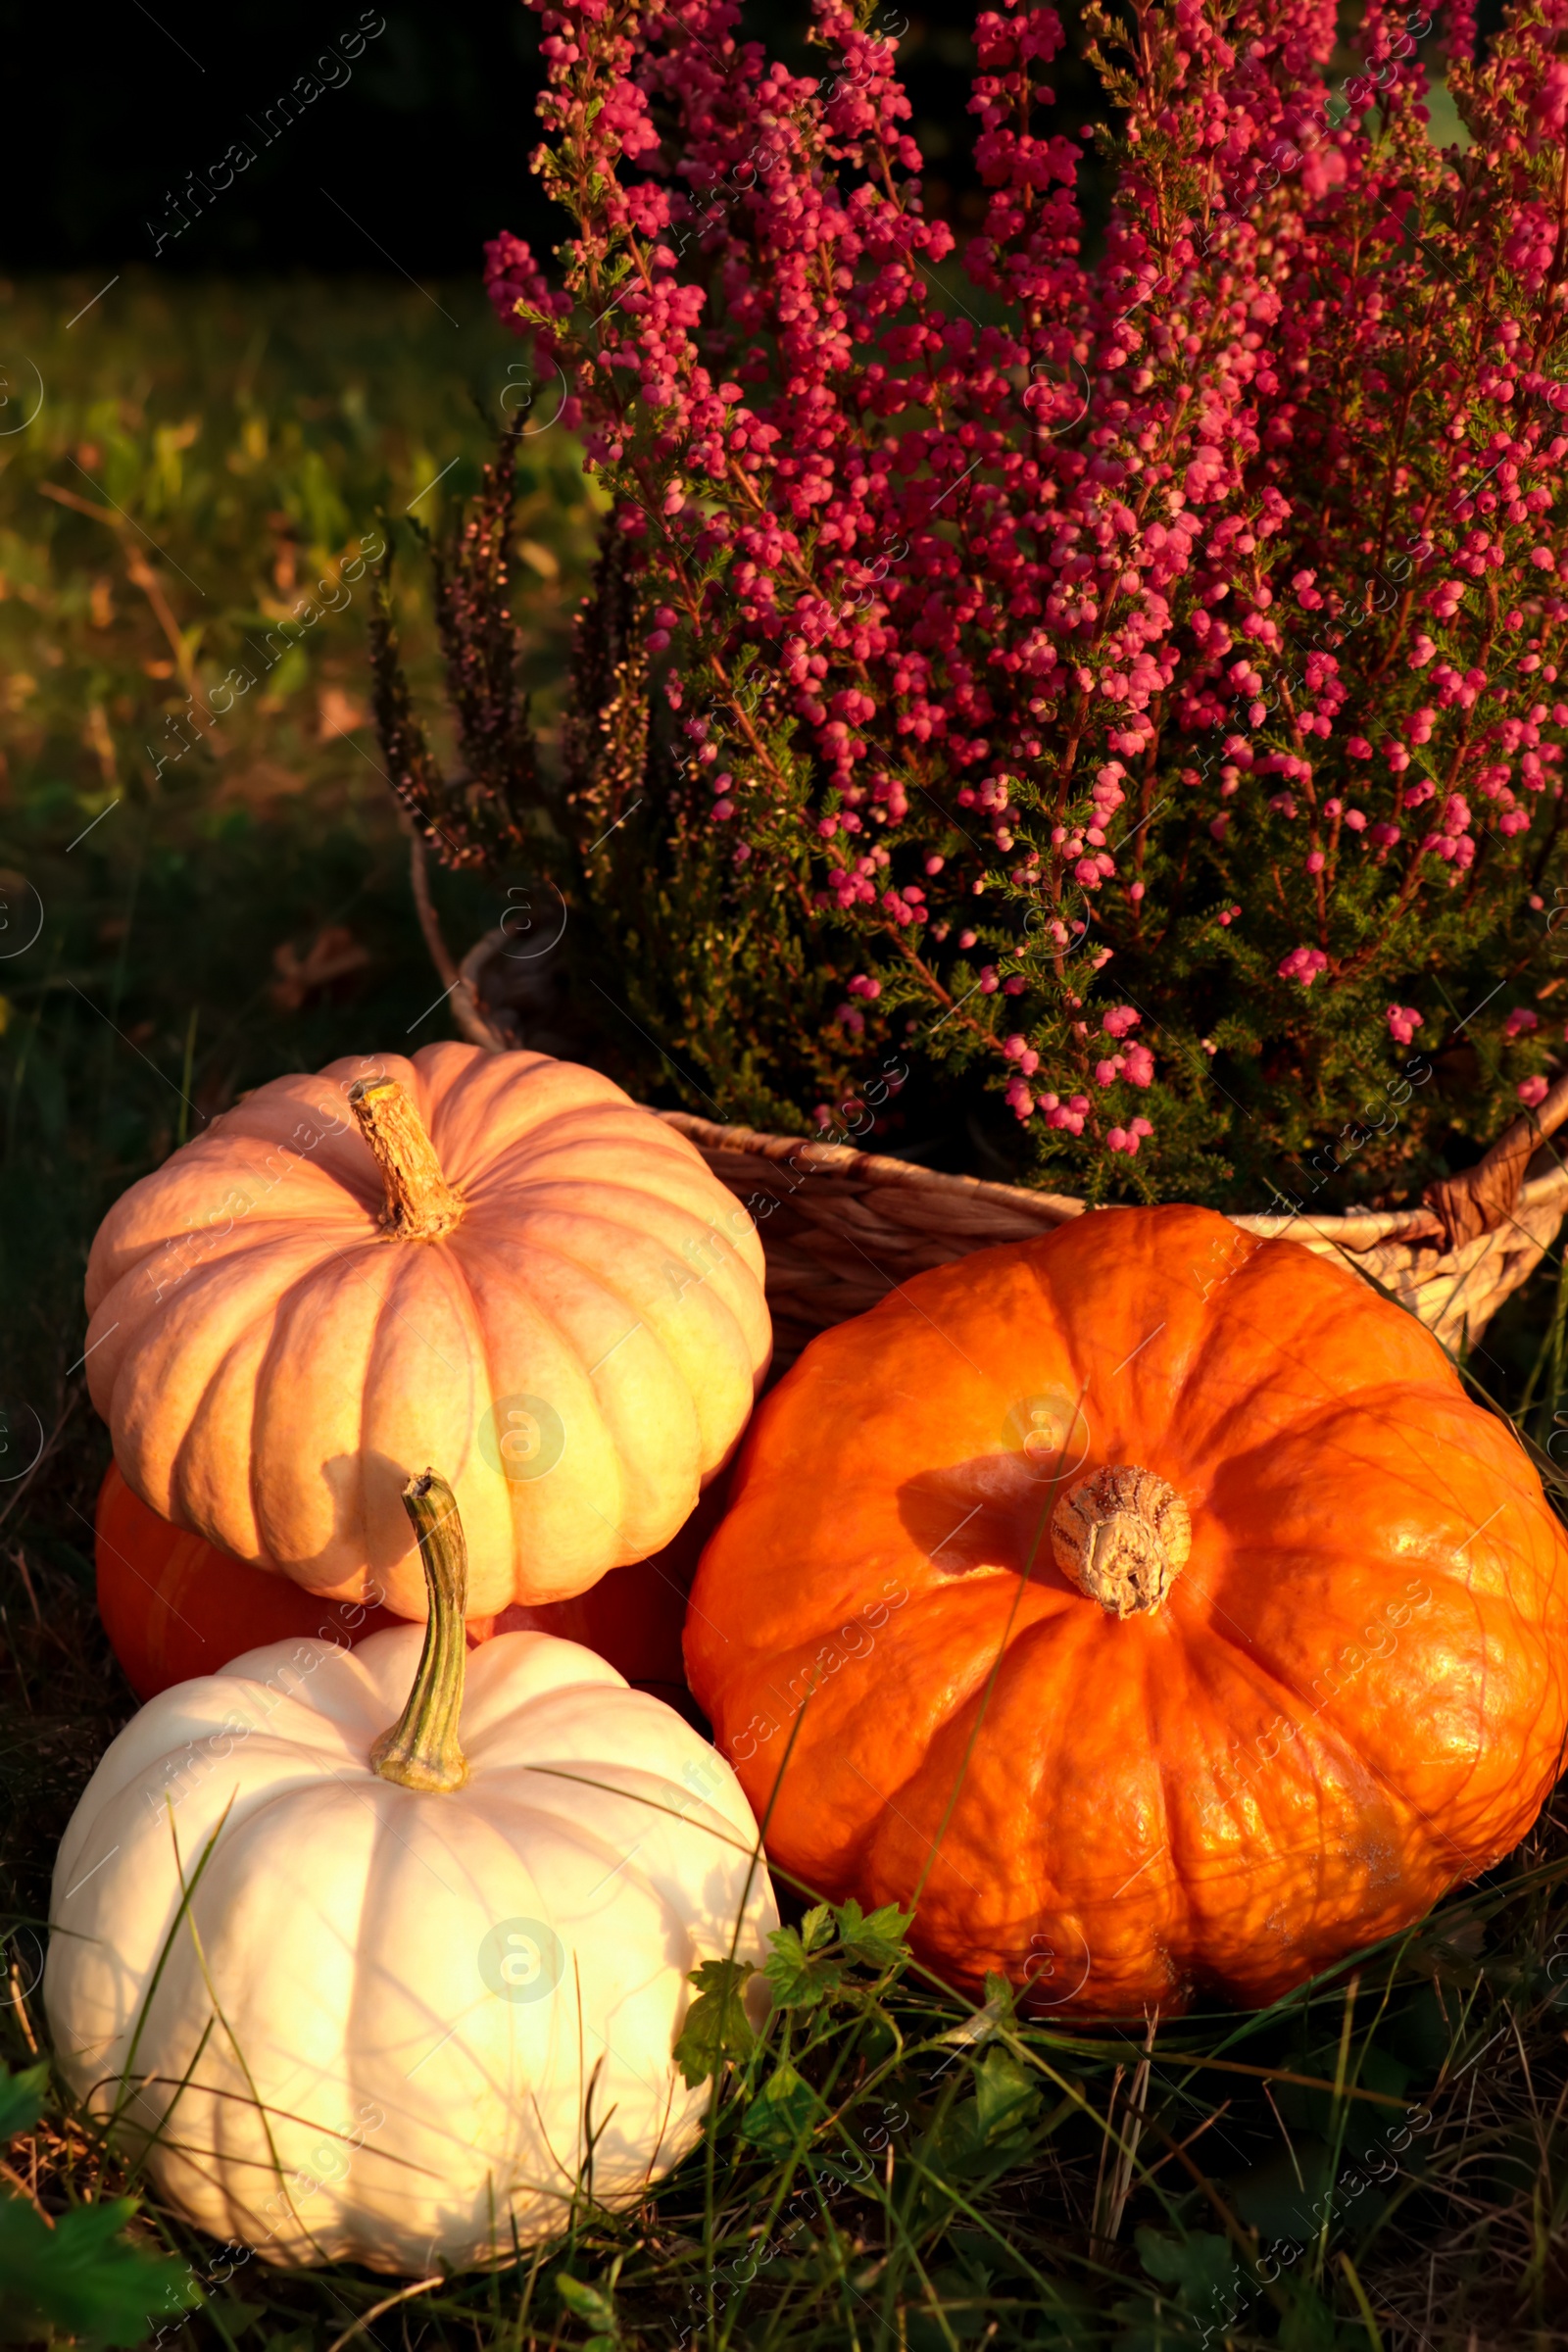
(1127, 688)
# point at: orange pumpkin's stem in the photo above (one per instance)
(422, 1749)
(1122, 1536)
(421, 1205)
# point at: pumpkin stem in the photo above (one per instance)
(421, 1205)
(1122, 1537)
(421, 1751)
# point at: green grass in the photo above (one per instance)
(1379, 2162)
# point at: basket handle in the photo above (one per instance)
(1480, 1198)
(462, 980)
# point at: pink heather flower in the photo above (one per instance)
(1119, 1020)
(930, 591)
(1127, 1139)
(1303, 965)
(1530, 1090)
(1521, 1021)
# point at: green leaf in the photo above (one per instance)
(588, 2302)
(81, 2276)
(1006, 2094)
(1309, 2322)
(1199, 2266)
(816, 1928)
(21, 2100)
(784, 2113)
(800, 1978)
(981, 2136)
(716, 2028)
(876, 1939)
(1277, 2197)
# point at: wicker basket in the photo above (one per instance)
(847, 1226)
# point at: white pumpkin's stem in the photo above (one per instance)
(1122, 1537)
(422, 1749)
(421, 1205)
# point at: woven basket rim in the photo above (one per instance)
(1363, 1230)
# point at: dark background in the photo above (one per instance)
(426, 146)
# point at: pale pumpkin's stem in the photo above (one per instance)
(421, 1205)
(422, 1749)
(1122, 1536)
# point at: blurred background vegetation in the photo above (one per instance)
(194, 902)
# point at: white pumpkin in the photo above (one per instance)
(497, 1262)
(368, 1995)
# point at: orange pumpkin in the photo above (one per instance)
(174, 1605)
(494, 1262)
(1149, 1602)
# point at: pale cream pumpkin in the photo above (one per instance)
(366, 1987)
(499, 1262)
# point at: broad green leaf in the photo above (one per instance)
(80, 2276)
(1199, 2266)
(875, 1938)
(816, 1928)
(1006, 2094)
(784, 2113)
(717, 2028)
(982, 2135)
(21, 2100)
(800, 1978)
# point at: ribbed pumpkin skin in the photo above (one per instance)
(375, 2093)
(1354, 1697)
(274, 1364)
(174, 1606)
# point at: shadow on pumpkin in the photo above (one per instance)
(990, 1513)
